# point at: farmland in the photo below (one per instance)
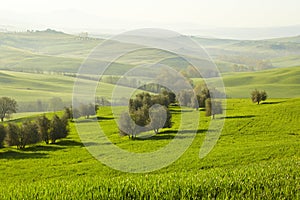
(257, 156)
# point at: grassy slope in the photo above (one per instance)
(43, 51)
(279, 83)
(28, 87)
(256, 157)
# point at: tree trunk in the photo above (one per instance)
(2, 119)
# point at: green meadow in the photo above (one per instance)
(256, 157)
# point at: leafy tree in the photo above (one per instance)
(258, 96)
(102, 101)
(171, 95)
(76, 113)
(127, 126)
(213, 107)
(138, 120)
(58, 129)
(87, 110)
(13, 132)
(2, 134)
(263, 95)
(184, 97)
(55, 104)
(7, 107)
(68, 113)
(22, 136)
(160, 117)
(29, 134)
(43, 124)
(39, 105)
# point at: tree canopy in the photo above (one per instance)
(7, 107)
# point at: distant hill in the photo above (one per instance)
(279, 83)
(51, 50)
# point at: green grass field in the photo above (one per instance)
(256, 157)
(28, 87)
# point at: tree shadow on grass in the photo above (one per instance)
(69, 143)
(48, 147)
(168, 134)
(88, 144)
(21, 155)
(182, 131)
(181, 110)
(273, 102)
(238, 117)
(105, 118)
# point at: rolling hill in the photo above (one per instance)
(59, 52)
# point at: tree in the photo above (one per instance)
(13, 132)
(160, 117)
(138, 119)
(43, 124)
(258, 96)
(171, 95)
(55, 104)
(68, 113)
(2, 134)
(76, 113)
(29, 134)
(39, 105)
(127, 126)
(58, 129)
(185, 97)
(87, 110)
(213, 107)
(22, 136)
(7, 107)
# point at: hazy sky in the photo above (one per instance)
(128, 14)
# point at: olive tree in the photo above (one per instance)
(127, 126)
(213, 107)
(43, 124)
(160, 117)
(23, 135)
(258, 96)
(58, 129)
(2, 134)
(7, 107)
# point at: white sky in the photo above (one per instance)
(128, 14)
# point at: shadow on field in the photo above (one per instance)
(69, 143)
(21, 155)
(238, 117)
(273, 102)
(87, 144)
(157, 137)
(49, 147)
(182, 131)
(78, 121)
(104, 118)
(166, 135)
(181, 111)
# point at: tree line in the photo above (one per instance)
(151, 112)
(32, 132)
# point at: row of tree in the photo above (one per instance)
(32, 132)
(151, 112)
